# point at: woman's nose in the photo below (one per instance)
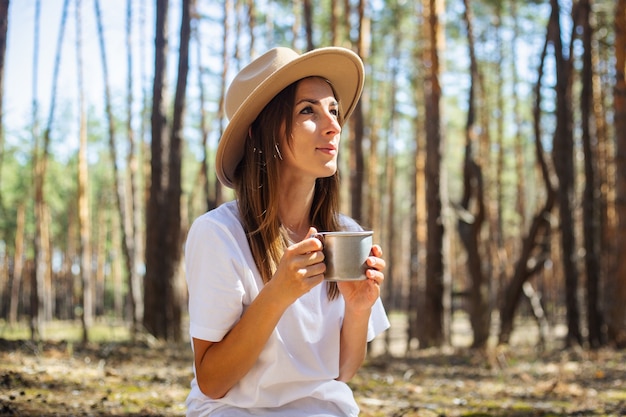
(333, 123)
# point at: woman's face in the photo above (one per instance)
(312, 151)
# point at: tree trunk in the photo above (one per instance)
(417, 275)
(83, 183)
(122, 204)
(519, 148)
(228, 11)
(164, 241)
(18, 265)
(130, 223)
(203, 171)
(307, 12)
(159, 270)
(617, 286)
(40, 160)
(357, 131)
(563, 159)
(472, 217)
(4, 24)
(100, 231)
(391, 287)
(591, 200)
(535, 246)
(335, 14)
(432, 319)
(178, 289)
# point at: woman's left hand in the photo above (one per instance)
(361, 295)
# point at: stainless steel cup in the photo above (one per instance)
(345, 254)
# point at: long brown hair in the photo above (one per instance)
(257, 188)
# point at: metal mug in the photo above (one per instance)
(345, 254)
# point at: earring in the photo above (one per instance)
(278, 154)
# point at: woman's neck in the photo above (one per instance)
(294, 211)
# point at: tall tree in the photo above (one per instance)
(159, 268)
(163, 314)
(307, 12)
(389, 193)
(617, 286)
(472, 205)
(417, 210)
(203, 171)
(84, 224)
(131, 219)
(357, 128)
(535, 245)
(221, 112)
(123, 205)
(431, 320)
(4, 24)
(590, 203)
(563, 159)
(40, 161)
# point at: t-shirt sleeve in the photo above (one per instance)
(215, 270)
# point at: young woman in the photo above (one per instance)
(270, 336)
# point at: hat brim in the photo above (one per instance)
(341, 67)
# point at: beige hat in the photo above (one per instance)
(261, 80)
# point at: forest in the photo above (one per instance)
(487, 153)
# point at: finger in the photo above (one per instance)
(376, 263)
(313, 258)
(377, 251)
(309, 244)
(376, 276)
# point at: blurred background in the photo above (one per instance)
(487, 154)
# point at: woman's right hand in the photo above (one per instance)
(300, 269)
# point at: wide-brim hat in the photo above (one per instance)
(261, 80)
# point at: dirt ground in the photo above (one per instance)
(152, 379)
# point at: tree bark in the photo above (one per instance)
(130, 222)
(162, 285)
(307, 12)
(40, 160)
(432, 319)
(535, 245)
(4, 24)
(617, 285)
(563, 159)
(357, 130)
(83, 184)
(228, 11)
(591, 201)
(472, 217)
(18, 265)
(159, 271)
(122, 204)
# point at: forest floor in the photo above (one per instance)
(148, 378)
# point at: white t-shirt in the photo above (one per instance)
(295, 373)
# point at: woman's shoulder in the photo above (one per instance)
(225, 215)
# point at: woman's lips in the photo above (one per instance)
(329, 149)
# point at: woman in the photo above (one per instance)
(270, 336)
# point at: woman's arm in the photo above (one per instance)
(220, 365)
(359, 298)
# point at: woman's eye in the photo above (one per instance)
(307, 110)
(334, 112)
